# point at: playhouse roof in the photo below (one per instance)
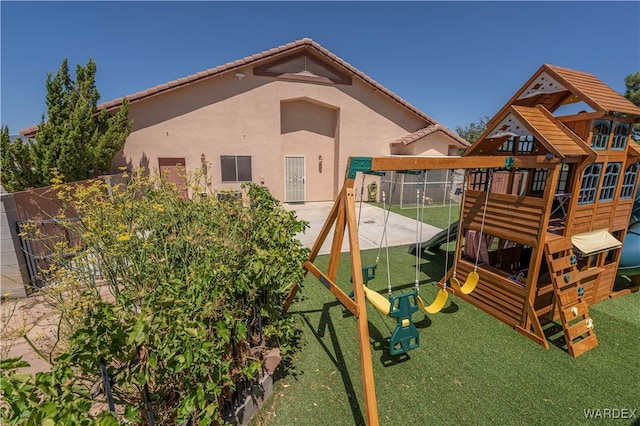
(552, 86)
(537, 121)
(529, 111)
(634, 149)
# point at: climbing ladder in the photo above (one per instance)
(569, 295)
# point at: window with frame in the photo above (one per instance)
(508, 145)
(612, 255)
(525, 144)
(235, 168)
(590, 181)
(620, 136)
(478, 180)
(600, 134)
(610, 181)
(629, 181)
(539, 181)
(563, 178)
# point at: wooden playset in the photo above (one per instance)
(544, 213)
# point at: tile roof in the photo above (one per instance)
(277, 52)
(426, 131)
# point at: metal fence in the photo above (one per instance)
(436, 187)
(40, 238)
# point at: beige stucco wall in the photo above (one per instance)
(268, 119)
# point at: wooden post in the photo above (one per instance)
(366, 366)
(537, 253)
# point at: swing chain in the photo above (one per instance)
(484, 215)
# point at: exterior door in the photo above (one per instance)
(294, 179)
(174, 171)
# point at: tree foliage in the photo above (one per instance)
(17, 167)
(632, 92)
(75, 139)
(472, 131)
(632, 83)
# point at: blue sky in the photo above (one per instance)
(456, 61)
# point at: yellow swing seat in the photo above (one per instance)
(378, 301)
(438, 303)
(469, 285)
(381, 303)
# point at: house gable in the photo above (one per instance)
(303, 66)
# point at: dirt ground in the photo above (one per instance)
(33, 317)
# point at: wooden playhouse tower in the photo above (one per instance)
(552, 236)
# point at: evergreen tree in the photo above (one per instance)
(75, 138)
(17, 168)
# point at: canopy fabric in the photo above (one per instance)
(594, 242)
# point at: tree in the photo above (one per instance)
(76, 139)
(472, 131)
(632, 82)
(17, 168)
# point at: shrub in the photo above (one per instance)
(170, 293)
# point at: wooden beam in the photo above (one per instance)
(317, 245)
(444, 163)
(338, 237)
(342, 297)
(582, 116)
(366, 365)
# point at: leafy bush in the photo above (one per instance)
(171, 292)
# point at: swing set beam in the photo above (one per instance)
(343, 216)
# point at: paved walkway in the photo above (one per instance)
(400, 229)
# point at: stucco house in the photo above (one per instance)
(287, 118)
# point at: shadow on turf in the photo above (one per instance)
(336, 356)
(555, 335)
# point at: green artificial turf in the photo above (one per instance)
(438, 216)
(470, 368)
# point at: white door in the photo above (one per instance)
(294, 179)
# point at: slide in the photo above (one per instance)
(437, 240)
(630, 256)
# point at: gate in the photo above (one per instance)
(294, 179)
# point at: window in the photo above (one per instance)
(507, 146)
(600, 134)
(620, 136)
(525, 144)
(563, 179)
(539, 181)
(235, 168)
(479, 180)
(629, 181)
(590, 181)
(610, 181)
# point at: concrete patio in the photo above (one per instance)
(400, 229)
